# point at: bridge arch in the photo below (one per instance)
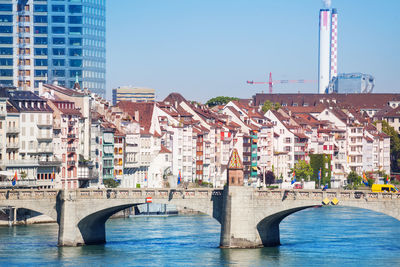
(91, 209)
(268, 227)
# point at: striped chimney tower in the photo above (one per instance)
(324, 50)
(334, 44)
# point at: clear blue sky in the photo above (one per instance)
(207, 48)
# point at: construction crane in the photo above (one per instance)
(271, 82)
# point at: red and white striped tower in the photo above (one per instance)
(333, 71)
(324, 50)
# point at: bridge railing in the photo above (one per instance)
(319, 194)
(165, 193)
(143, 193)
(28, 194)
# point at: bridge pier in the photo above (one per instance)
(68, 232)
(78, 224)
(239, 220)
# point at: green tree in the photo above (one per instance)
(394, 145)
(321, 162)
(353, 179)
(269, 105)
(220, 100)
(269, 178)
(302, 170)
(110, 183)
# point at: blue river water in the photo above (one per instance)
(327, 236)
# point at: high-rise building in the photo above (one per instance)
(134, 94)
(327, 57)
(52, 41)
(352, 83)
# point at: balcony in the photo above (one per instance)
(44, 138)
(24, 183)
(71, 149)
(50, 162)
(108, 176)
(47, 149)
(71, 136)
(11, 146)
(12, 130)
(44, 124)
(300, 144)
(71, 163)
(57, 126)
(226, 139)
(22, 162)
(131, 165)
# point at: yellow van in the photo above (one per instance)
(388, 188)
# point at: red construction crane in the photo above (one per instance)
(271, 82)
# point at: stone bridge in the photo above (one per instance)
(249, 217)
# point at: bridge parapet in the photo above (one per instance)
(319, 195)
(121, 193)
(28, 194)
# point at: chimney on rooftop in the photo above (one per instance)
(40, 88)
(379, 126)
(137, 115)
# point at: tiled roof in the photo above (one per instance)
(175, 97)
(145, 112)
(352, 100)
(393, 113)
(164, 150)
(29, 102)
(63, 90)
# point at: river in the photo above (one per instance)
(328, 236)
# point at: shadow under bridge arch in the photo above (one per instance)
(268, 228)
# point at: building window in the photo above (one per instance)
(6, 29)
(75, 63)
(41, 51)
(41, 62)
(40, 19)
(40, 8)
(74, 41)
(75, 30)
(6, 40)
(58, 8)
(40, 40)
(59, 51)
(75, 20)
(40, 29)
(58, 30)
(5, 7)
(58, 19)
(75, 9)
(6, 51)
(6, 18)
(59, 41)
(58, 73)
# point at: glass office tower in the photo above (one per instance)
(53, 41)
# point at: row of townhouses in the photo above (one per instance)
(72, 138)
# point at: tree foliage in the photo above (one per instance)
(220, 100)
(321, 162)
(353, 179)
(394, 145)
(302, 170)
(269, 178)
(269, 105)
(110, 183)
